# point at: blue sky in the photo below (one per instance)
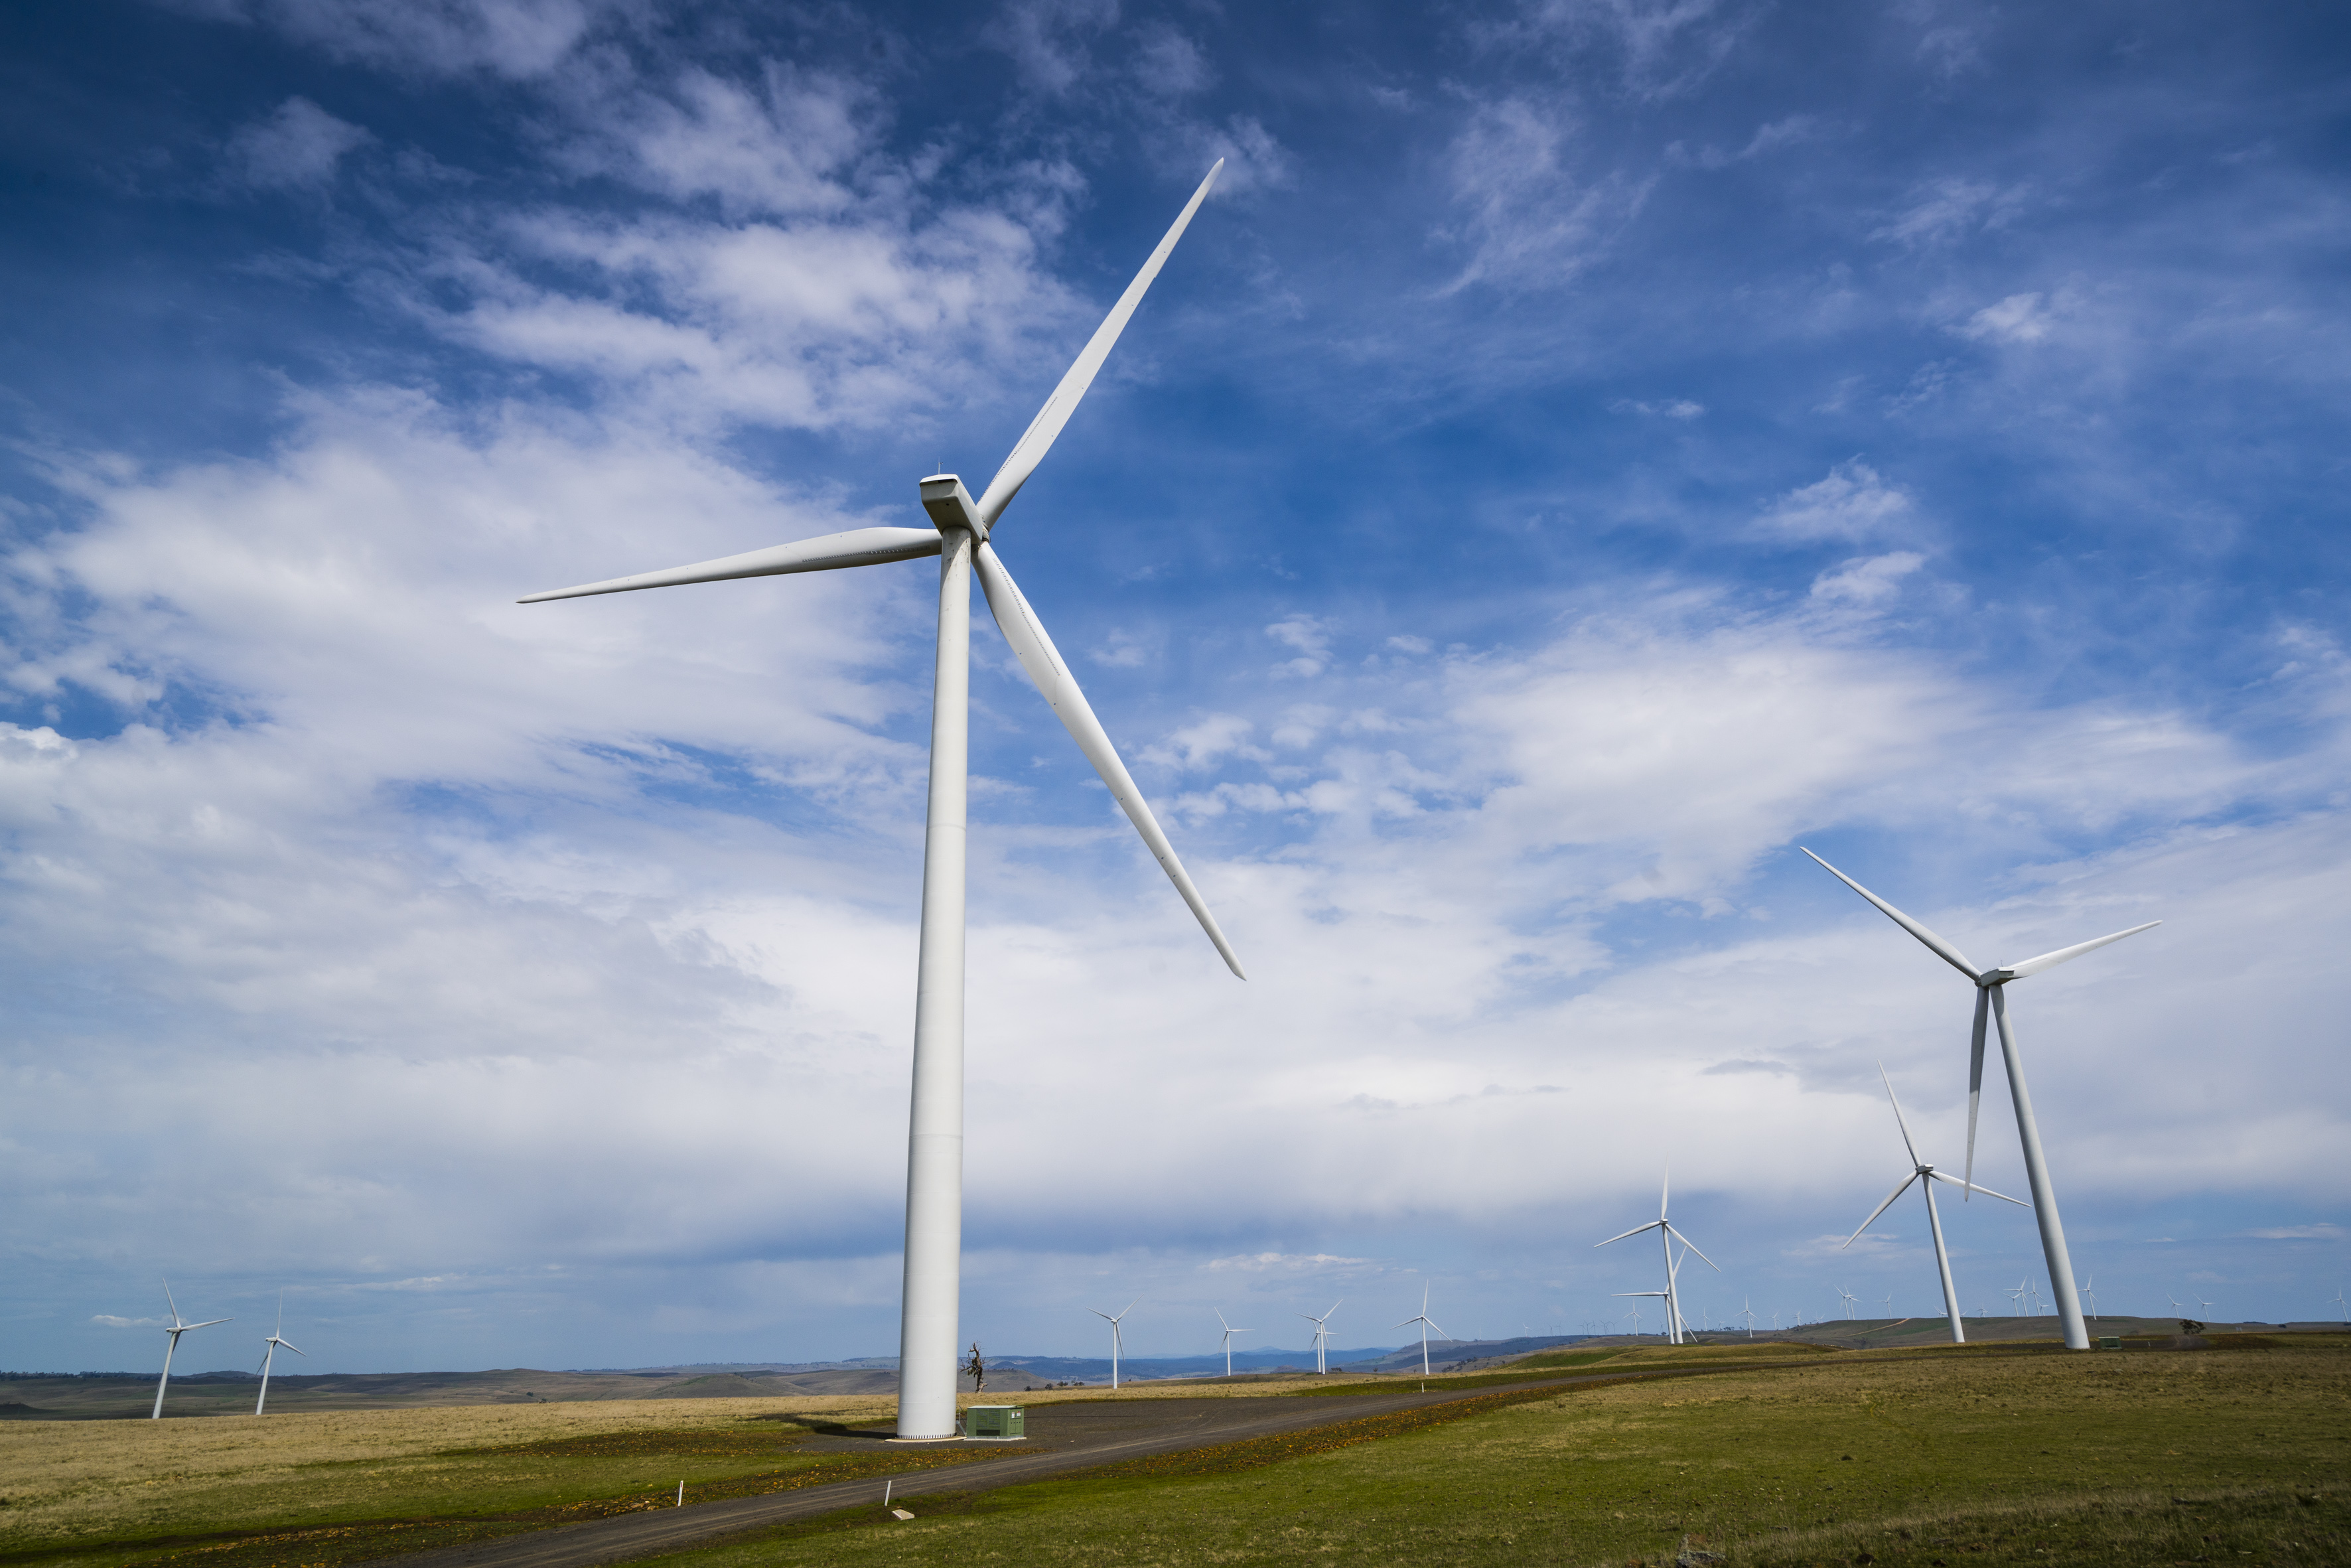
(1579, 452)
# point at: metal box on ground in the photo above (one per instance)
(2111, 1342)
(1003, 1423)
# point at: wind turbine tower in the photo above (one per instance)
(1229, 1331)
(175, 1328)
(1927, 1175)
(1321, 1333)
(276, 1337)
(1666, 1237)
(1424, 1326)
(1991, 996)
(959, 536)
(1114, 1340)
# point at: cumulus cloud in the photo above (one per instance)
(1311, 637)
(297, 147)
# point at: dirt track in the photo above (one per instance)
(1063, 1437)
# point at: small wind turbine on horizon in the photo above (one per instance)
(1321, 1333)
(1848, 1297)
(1747, 1312)
(1927, 1175)
(2341, 1306)
(175, 1328)
(276, 1337)
(1424, 1326)
(1114, 1340)
(2090, 1298)
(1229, 1331)
(1666, 1237)
(959, 536)
(1992, 997)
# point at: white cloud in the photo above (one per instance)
(1531, 221)
(1660, 48)
(297, 147)
(1667, 408)
(513, 38)
(1867, 583)
(1049, 40)
(1311, 637)
(1287, 1263)
(115, 1322)
(2019, 319)
(1946, 210)
(1852, 504)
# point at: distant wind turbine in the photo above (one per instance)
(2206, 1305)
(2341, 1306)
(1747, 1312)
(1848, 1297)
(2023, 1289)
(959, 536)
(2090, 1298)
(1229, 1331)
(1927, 1175)
(1321, 1332)
(1424, 1326)
(1666, 1237)
(1114, 1340)
(273, 1341)
(1991, 996)
(175, 1329)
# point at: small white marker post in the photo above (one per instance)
(681, 1494)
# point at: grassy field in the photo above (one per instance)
(1987, 1455)
(1974, 1457)
(321, 1486)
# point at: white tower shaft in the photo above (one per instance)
(1943, 1263)
(928, 1334)
(2044, 1195)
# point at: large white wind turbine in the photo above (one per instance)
(1321, 1332)
(1229, 1331)
(1115, 1344)
(959, 538)
(1666, 1237)
(276, 1337)
(1991, 996)
(1927, 1175)
(175, 1328)
(1424, 1326)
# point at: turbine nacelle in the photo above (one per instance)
(951, 507)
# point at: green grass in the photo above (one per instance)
(1984, 1459)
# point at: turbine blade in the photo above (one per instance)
(1897, 1118)
(1988, 1192)
(1440, 1333)
(1039, 438)
(1941, 948)
(2066, 955)
(826, 552)
(297, 1349)
(1975, 1080)
(1634, 1232)
(1881, 1208)
(167, 1296)
(1693, 1246)
(1043, 662)
(206, 1324)
(1406, 1324)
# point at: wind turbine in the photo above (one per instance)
(2341, 1306)
(1848, 1297)
(1666, 1237)
(1229, 1331)
(1114, 1345)
(2023, 1289)
(175, 1329)
(2177, 1304)
(1636, 1313)
(276, 1337)
(1321, 1332)
(1424, 1326)
(2206, 1307)
(1991, 996)
(1747, 1312)
(2090, 1296)
(1927, 1175)
(959, 538)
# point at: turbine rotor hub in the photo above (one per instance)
(950, 507)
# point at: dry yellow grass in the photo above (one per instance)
(82, 1482)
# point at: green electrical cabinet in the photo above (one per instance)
(1001, 1422)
